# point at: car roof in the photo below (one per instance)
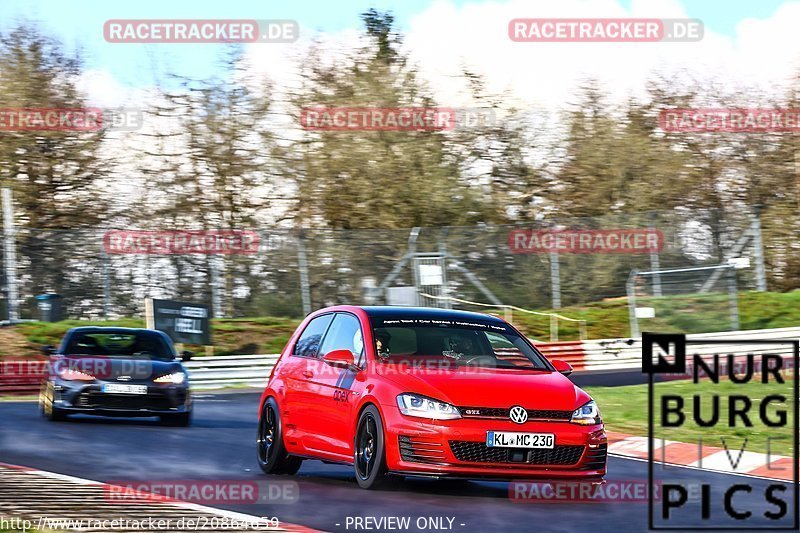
(111, 329)
(379, 311)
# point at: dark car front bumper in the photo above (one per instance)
(70, 397)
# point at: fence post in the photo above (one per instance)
(106, 282)
(553, 328)
(655, 263)
(443, 254)
(10, 255)
(302, 263)
(216, 296)
(734, 299)
(758, 249)
(630, 288)
(555, 280)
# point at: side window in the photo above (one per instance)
(345, 334)
(506, 351)
(308, 343)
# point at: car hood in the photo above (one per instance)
(113, 368)
(468, 387)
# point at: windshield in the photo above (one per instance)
(455, 341)
(138, 345)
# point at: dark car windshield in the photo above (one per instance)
(134, 345)
(456, 340)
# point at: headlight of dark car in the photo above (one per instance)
(176, 378)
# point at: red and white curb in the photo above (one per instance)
(33, 494)
(731, 461)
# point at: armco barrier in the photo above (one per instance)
(612, 355)
(21, 376)
(596, 356)
(573, 352)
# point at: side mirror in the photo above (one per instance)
(48, 349)
(340, 359)
(186, 355)
(562, 366)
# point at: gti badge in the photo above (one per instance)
(518, 414)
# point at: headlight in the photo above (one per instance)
(586, 415)
(177, 378)
(70, 374)
(420, 406)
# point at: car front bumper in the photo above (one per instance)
(71, 397)
(457, 448)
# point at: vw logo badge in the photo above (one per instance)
(519, 414)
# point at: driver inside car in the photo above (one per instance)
(382, 339)
(460, 346)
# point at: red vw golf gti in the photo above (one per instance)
(425, 392)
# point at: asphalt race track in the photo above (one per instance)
(220, 446)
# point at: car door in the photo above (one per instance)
(300, 393)
(338, 389)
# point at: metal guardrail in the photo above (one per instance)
(230, 371)
(610, 355)
(596, 356)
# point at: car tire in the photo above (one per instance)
(369, 450)
(271, 451)
(177, 420)
(46, 407)
(56, 415)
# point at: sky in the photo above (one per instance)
(746, 42)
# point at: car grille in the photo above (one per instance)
(503, 412)
(421, 450)
(98, 400)
(596, 458)
(478, 452)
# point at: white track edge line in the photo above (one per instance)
(642, 459)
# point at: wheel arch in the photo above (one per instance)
(366, 402)
(266, 395)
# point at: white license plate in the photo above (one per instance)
(119, 388)
(511, 439)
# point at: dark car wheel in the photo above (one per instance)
(272, 456)
(177, 420)
(370, 450)
(49, 411)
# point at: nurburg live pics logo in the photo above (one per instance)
(725, 501)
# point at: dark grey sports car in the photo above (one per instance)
(116, 372)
